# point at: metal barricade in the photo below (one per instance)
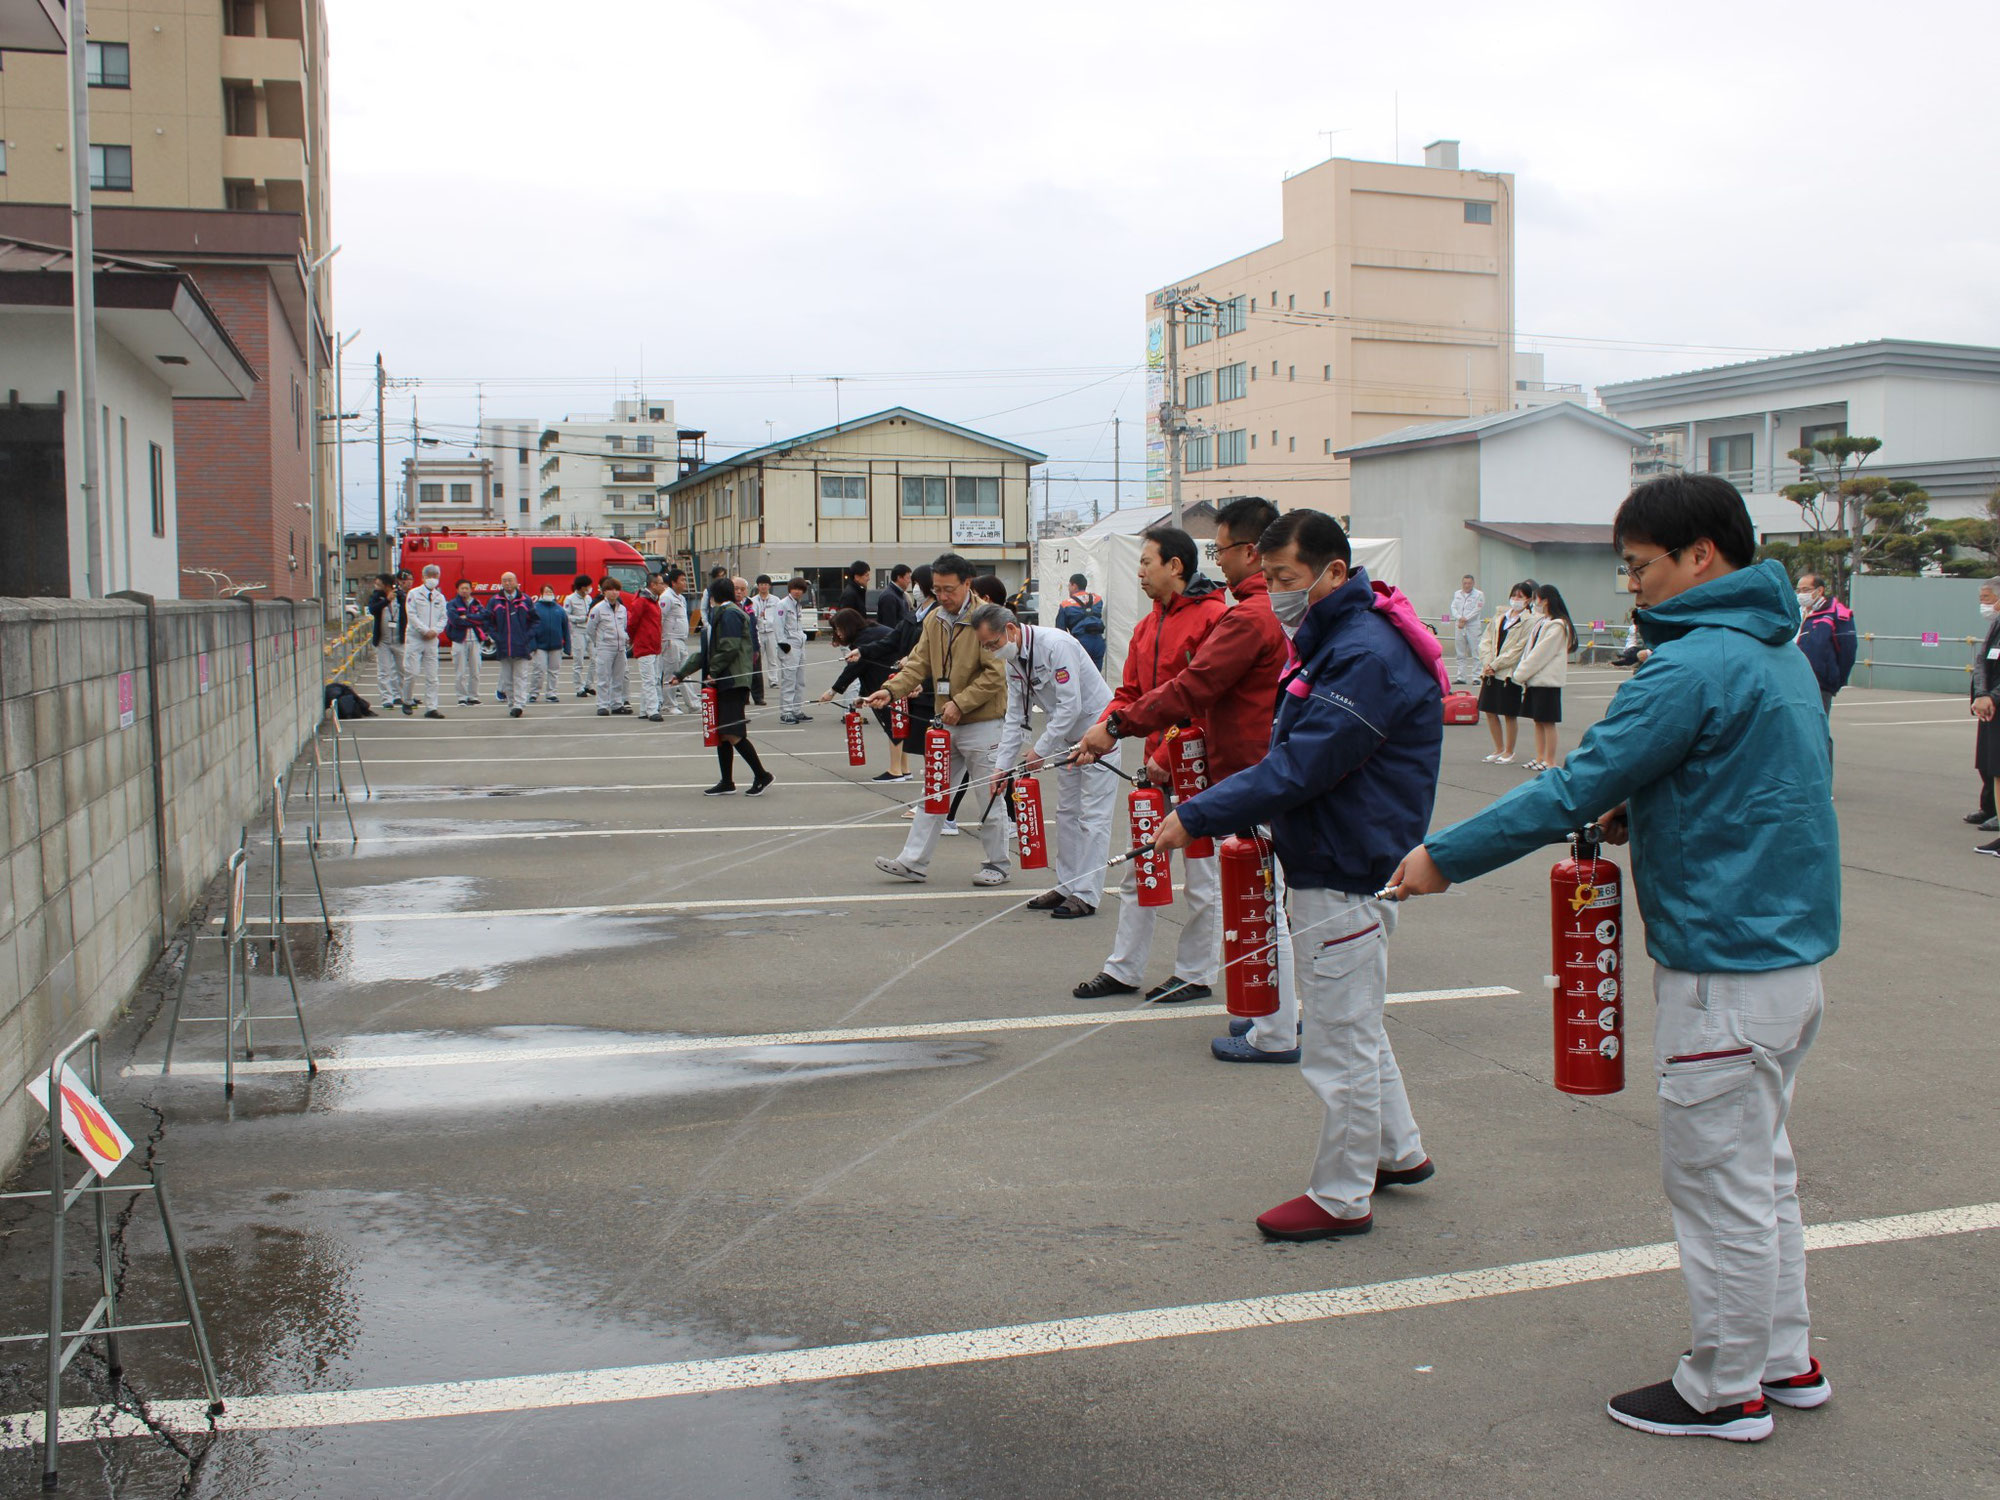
(102, 1320)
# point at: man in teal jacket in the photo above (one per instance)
(1715, 756)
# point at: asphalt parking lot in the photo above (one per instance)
(663, 1146)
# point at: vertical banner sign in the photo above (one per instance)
(86, 1124)
(127, 708)
(201, 670)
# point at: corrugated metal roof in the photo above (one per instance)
(26, 255)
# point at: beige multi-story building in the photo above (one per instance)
(601, 476)
(1388, 301)
(894, 487)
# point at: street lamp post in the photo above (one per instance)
(317, 578)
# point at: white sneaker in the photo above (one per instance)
(1502, 760)
(951, 829)
(1492, 758)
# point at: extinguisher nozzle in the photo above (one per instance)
(1128, 856)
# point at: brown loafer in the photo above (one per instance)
(1047, 901)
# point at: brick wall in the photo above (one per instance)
(81, 889)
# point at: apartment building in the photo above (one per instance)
(1388, 300)
(1936, 408)
(511, 447)
(602, 475)
(454, 492)
(897, 486)
(208, 132)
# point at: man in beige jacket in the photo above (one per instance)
(972, 705)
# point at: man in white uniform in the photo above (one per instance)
(577, 607)
(426, 610)
(788, 636)
(607, 636)
(674, 641)
(1468, 608)
(1050, 670)
(764, 607)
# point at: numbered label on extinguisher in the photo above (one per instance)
(1029, 833)
(899, 719)
(1152, 872)
(937, 770)
(709, 735)
(1191, 780)
(1589, 958)
(857, 752)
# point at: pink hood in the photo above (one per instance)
(1392, 602)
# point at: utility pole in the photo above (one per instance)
(83, 295)
(381, 469)
(409, 513)
(1173, 416)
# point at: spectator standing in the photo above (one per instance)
(1082, 615)
(510, 616)
(988, 589)
(577, 607)
(1468, 608)
(724, 658)
(873, 654)
(551, 639)
(789, 637)
(642, 625)
(744, 602)
(609, 634)
(1827, 636)
(1499, 653)
(764, 610)
(893, 606)
(1985, 696)
(464, 617)
(674, 631)
(385, 607)
(1542, 671)
(854, 592)
(427, 611)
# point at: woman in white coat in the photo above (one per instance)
(1542, 671)
(1500, 648)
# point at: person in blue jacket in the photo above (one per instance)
(549, 640)
(465, 622)
(1714, 757)
(1082, 615)
(1827, 636)
(1347, 787)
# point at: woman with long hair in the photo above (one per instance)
(1500, 646)
(1543, 670)
(873, 654)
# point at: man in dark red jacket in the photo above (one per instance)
(1186, 607)
(642, 625)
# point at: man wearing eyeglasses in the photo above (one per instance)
(1714, 757)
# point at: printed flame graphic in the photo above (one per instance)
(93, 1125)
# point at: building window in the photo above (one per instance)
(298, 415)
(1478, 213)
(753, 496)
(1198, 327)
(843, 496)
(1822, 430)
(1232, 383)
(111, 168)
(618, 502)
(642, 443)
(1291, 445)
(499, 491)
(374, 551)
(430, 494)
(1253, 442)
(1326, 445)
(975, 495)
(1274, 437)
(156, 465)
(3, 158)
(461, 494)
(1200, 388)
(617, 444)
(1326, 372)
(1230, 447)
(1232, 318)
(726, 505)
(1730, 455)
(1326, 299)
(108, 65)
(656, 414)
(1253, 372)
(1198, 453)
(524, 505)
(1291, 301)
(1291, 372)
(923, 495)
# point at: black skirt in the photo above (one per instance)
(731, 707)
(1499, 696)
(1543, 704)
(1986, 748)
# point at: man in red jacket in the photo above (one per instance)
(1186, 607)
(1230, 690)
(642, 624)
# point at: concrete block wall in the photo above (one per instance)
(84, 905)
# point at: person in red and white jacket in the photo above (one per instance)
(1186, 607)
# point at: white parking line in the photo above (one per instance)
(640, 908)
(501, 1056)
(763, 1371)
(448, 836)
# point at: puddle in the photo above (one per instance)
(456, 831)
(468, 956)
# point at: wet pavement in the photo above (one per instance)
(644, 1160)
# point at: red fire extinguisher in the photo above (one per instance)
(937, 769)
(709, 738)
(857, 753)
(1152, 871)
(1191, 778)
(1587, 920)
(1249, 927)
(1029, 833)
(899, 720)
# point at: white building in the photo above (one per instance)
(157, 342)
(602, 475)
(454, 492)
(1936, 408)
(511, 447)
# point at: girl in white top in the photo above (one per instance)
(1500, 648)
(1543, 669)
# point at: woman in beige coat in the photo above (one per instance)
(1500, 646)
(1542, 671)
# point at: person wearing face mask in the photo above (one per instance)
(1050, 670)
(1351, 774)
(549, 637)
(1826, 635)
(427, 612)
(607, 636)
(465, 620)
(1543, 669)
(1985, 695)
(1500, 648)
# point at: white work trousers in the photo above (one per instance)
(581, 673)
(548, 674)
(680, 697)
(515, 677)
(1340, 956)
(974, 749)
(1465, 642)
(648, 669)
(389, 672)
(610, 665)
(420, 670)
(1727, 1049)
(1086, 798)
(792, 681)
(465, 668)
(767, 646)
(1197, 954)
(1279, 1031)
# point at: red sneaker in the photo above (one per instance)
(1802, 1391)
(1303, 1219)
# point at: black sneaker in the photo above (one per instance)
(1660, 1409)
(433, 714)
(1176, 990)
(409, 708)
(1102, 985)
(514, 712)
(720, 789)
(1976, 818)
(654, 719)
(1802, 1391)
(759, 784)
(893, 776)
(603, 713)
(1992, 849)
(623, 708)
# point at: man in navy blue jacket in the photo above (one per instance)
(1826, 635)
(1351, 774)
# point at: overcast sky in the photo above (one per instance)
(961, 207)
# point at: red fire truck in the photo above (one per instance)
(533, 559)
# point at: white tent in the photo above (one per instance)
(1108, 555)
